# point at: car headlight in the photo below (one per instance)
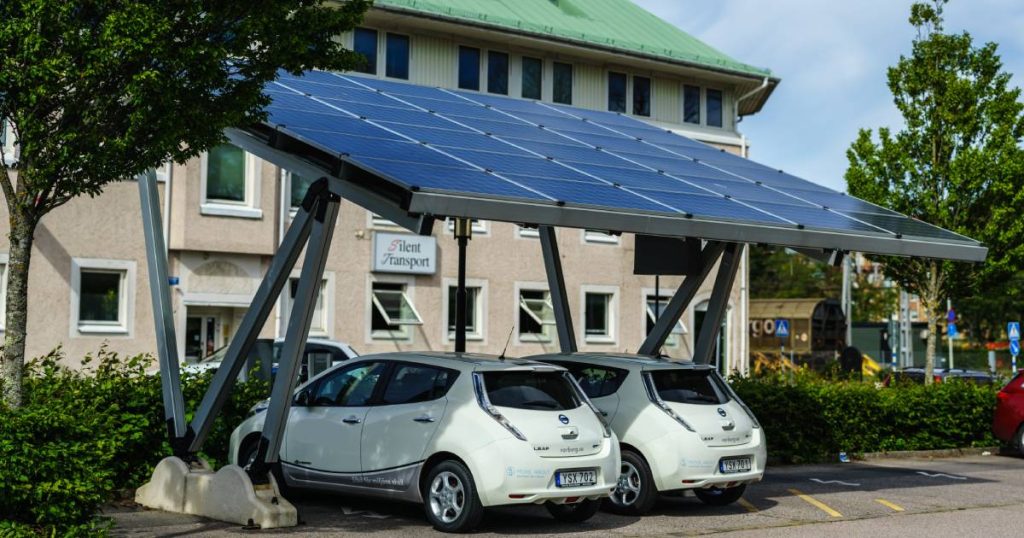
(485, 404)
(652, 394)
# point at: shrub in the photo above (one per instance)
(809, 419)
(83, 436)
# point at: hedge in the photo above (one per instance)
(85, 436)
(810, 419)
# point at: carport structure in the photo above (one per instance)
(414, 154)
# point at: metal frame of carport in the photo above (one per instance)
(414, 210)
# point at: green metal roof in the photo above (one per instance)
(617, 24)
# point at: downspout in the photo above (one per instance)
(282, 218)
(745, 269)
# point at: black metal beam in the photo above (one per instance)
(717, 304)
(556, 285)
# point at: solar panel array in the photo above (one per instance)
(447, 141)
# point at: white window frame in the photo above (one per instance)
(10, 144)
(701, 300)
(598, 237)
(248, 208)
(5, 263)
(480, 227)
(529, 233)
(405, 334)
(326, 296)
(377, 222)
(545, 337)
(126, 302)
(678, 333)
(480, 312)
(612, 314)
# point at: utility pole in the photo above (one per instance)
(906, 339)
(949, 332)
(847, 298)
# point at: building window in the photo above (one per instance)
(102, 295)
(720, 353)
(497, 72)
(478, 226)
(598, 316)
(229, 182)
(365, 43)
(474, 312)
(533, 76)
(525, 231)
(469, 68)
(536, 315)
(598, 236)
(392, 312)
(562, 89)
(616, 92)
(397, 56)
(691, 104)
(714, 106)
(655, 306)
(297, 187)
(377, 221)
(320, 324)
(641, 96)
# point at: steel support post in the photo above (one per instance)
(463, 231)
(681, 300)
(717, 304)
(310, 280)
(163, 316)
(256, 316)
(556, 284)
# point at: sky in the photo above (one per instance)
(832, 58)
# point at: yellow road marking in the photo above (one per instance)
(748, 505)
(816, 503)
(895, 507)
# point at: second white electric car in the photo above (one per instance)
(680, 427)
(457, 432)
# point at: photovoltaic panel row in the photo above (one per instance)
(468, 142)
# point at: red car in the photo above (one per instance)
(1008, 424)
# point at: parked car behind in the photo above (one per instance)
(680, 425)
(916, 375)
(318, 355)
(1008, 422)
(456, 432)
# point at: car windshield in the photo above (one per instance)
(689, 386)
(548, 391)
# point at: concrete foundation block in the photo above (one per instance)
(227, 495)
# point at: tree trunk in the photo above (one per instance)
(930, 298)
(12, 361)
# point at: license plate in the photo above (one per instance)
(575, 479)
(734, 465)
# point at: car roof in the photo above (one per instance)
(462, 361)
(622, 360)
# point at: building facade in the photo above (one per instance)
(385, 289)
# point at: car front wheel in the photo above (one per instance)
(573, 513)
(720, 496)
(634, 492)
(450, 499)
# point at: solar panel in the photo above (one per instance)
(449, 143)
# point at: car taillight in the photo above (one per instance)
(1002, 396)
(583, 397)
(485, 404)
(938, 379)
(652, 394)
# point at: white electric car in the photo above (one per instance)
(680, 427)
(457, 432)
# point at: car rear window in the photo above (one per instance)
(546, 391)
(689, 386)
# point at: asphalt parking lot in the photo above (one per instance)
(966, 496)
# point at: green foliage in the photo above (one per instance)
(808, 419)
(956, 163)
(83, 436)
(873, 303)
(778, 273)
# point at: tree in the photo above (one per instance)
(956, 163)
(779, 273)
(873, 302)
(100, 91)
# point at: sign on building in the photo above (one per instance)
(404, 253)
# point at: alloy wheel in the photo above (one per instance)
(627, 489)
(447, 497)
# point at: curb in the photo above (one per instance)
(941, 453)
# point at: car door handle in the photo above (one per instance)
(424, 418)
(351, 420)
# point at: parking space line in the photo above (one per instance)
(895, 507)
(748, 505)
(816, 503)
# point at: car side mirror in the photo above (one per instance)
(302, 399)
